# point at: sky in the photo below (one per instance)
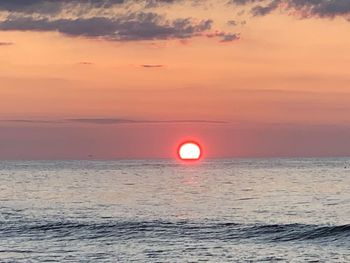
(131, 79)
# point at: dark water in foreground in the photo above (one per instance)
(287, 210)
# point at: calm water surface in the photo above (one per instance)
(287, 210)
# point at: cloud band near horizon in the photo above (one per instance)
(110, 121)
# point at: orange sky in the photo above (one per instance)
(284, 82)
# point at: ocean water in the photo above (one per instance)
(252, 210)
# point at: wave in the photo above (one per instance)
(127, 230)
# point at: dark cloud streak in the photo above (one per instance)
(305, 8)
(152, 66)
(6, 43)
(29, 121)
(129, 27)
(53, 6)
(225, 37)
(265, 10)
(56, 6)
(321, 8)
(141, 24)
(123, 25)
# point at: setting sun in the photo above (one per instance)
(190, 151)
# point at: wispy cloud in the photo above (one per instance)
(152, 66)
(6, 43)
(85, 63)
(30, 121)
(225, 37)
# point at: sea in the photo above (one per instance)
(227, 210)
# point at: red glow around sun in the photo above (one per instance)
(189, 151)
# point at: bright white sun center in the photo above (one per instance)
(189, 151)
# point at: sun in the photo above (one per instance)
(189, 151)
